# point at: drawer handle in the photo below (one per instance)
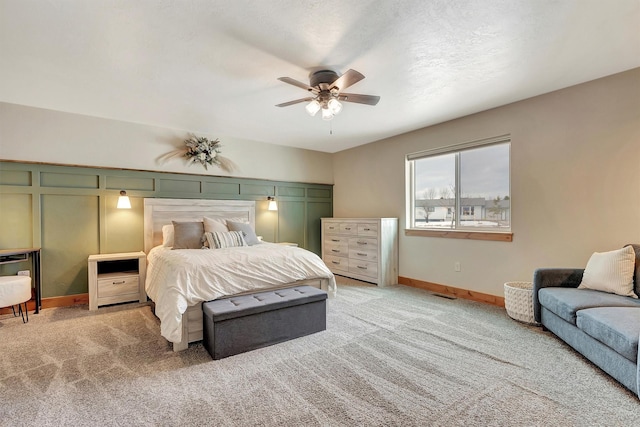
(332, 228)
(335, 262)
(335, 240)
(361, 254)
(362, 243)
(347, 228)
(367, 229)
(362, 268)
(118, 283)
(335, 250)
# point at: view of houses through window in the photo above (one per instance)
(467, 187)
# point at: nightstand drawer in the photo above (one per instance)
(118, 285)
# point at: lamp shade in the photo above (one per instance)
(123, 201)
(273, 206)
(327, 114)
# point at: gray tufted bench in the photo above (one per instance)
(243, 323)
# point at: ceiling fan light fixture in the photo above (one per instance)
(327, 114)
(313, 107)
(334, 105)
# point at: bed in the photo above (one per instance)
(178, 281)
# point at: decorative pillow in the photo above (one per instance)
(215, 224)
(611, 272)
(187, 235)
(249, 234)
(226, 239)
(167, 235)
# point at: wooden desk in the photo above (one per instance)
(18, 255)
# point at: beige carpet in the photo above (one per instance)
(392, 356)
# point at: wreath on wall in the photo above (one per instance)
(200, 149)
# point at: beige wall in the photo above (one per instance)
(575, 184)
(39, 135)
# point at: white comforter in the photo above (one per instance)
(180, 278)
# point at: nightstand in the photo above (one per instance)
(116, 278)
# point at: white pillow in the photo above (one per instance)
(167, 235)
(611, 272)
(212, 225)
(227, 239)
(247, 231)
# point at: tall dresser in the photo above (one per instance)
(362, 248)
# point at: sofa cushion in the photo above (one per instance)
(611, 272)
(616, 327)
(565, 302)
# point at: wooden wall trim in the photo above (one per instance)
(460, 234)
(63, 301)
(450, 290)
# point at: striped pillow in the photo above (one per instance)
(225, 239)
(611, 272)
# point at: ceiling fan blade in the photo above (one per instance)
(349, 78)
(297, 101)
(297, 83)
(360, 99)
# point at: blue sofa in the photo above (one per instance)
(603, 327)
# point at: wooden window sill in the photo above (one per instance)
(460, 234)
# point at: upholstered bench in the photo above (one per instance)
(238, 324)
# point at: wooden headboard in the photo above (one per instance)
(159, 212)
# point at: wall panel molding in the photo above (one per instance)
(70, 212)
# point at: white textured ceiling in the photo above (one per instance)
(211, 66)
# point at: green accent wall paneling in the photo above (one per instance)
(68, 180)
(291, 221)
(315, 211)
(257, 190)
(122, 182)
(15, 177)
(70, 232)
(70, 212)
(15, 228)
(221, 188)
(290, 191)
(179, 186)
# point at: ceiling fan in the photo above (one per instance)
(326, 91)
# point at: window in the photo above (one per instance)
(470, 179)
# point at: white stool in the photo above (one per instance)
(15, 290)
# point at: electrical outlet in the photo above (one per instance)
(456, 266)
(24, 273)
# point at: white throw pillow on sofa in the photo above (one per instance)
(611, 272)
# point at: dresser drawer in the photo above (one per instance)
(336, 263)
(336, 240)
(363, 243)
(336, 249)
(365, 255)
(367, 230)
(331, 227)
(348, 228)
(118, 285)
(364, 268)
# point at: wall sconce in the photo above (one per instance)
(123, 201)
(273, 206)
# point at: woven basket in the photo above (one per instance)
(519, 302)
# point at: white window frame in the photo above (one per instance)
(502, 234)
